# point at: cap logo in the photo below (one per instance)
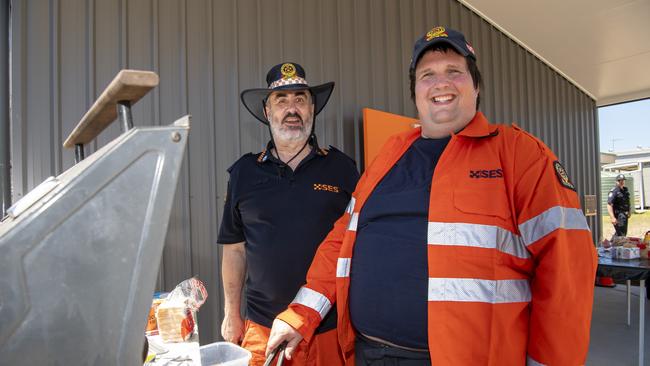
(436, 32)
(288, 71)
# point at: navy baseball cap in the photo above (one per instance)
(284, 76)
(620, 177)
(438, 35)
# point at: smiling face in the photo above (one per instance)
(445, 95)
(290, 115)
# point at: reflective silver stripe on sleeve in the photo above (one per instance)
(476, 235)
(314, 300)
(350, 207)
(531, 362)
(550, 220)
(343, 267)
(354, 219)
(477, 290)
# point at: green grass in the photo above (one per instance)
(639, 224)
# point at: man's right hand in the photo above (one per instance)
(281, 332)
(614, 221)
(232, 328)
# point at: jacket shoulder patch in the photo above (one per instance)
(562, 176)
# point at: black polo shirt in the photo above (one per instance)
(283, 215)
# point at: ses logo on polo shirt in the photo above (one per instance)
(494, 173)
(326, 187)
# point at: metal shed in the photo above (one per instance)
(64, 52)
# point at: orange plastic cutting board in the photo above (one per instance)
(378, 126)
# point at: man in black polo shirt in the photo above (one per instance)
(280, 205)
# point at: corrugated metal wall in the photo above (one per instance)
(65, 51)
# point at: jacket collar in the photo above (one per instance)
(266, 154)
(479, 126)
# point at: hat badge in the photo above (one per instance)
(436, 33)
(288, 71)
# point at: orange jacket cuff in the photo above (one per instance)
(301, 321)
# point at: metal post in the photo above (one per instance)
(629, 291)
(642, 188)
(5, 152)
(642, 297)
(79, 153)
(124, 114)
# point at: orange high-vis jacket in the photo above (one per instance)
(511, 260)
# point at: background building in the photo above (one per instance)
(636, 164)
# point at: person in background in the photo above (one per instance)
(280, 204)
(463, 244)
(618, 206)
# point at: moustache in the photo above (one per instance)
(292, 115)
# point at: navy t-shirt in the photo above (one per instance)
(389, 273)
(283, 216)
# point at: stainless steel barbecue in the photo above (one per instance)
(79, 254)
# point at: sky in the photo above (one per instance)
(625, 126)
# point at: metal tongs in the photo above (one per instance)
(279, 349)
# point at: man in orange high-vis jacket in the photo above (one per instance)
(496, 267)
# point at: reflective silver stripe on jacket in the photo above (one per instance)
(354, 219)
(531, 362)
(477, 235)
(477, 290)
(350, 207)
(343, 267)
(314, 300)
(550, 220)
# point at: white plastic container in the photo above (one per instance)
(627, 253)
(224, 354)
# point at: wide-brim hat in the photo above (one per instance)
(285, 76)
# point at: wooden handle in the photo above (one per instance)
(128, 85)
